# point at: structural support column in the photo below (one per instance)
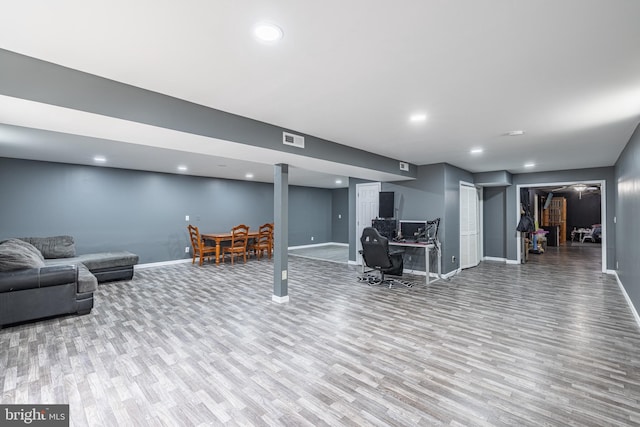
(281, 233)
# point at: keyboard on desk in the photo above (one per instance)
(412, 241)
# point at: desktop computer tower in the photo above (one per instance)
(386, 227)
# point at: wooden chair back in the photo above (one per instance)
(198, 247)
(264, 242)
(239, 239)
(239, 236)
(265, 234)
(194, 235)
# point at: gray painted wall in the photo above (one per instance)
(309, 216)
(627, 175)
(494, 217)
(340, 215)
(576, 175)
(422, 198)
(143, 212)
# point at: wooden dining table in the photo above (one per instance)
(224, 237)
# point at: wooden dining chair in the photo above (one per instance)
(264, 242)
(198, 246)
(239, 238)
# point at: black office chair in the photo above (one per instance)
(376, 255)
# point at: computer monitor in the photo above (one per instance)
(385, 204)
(412, 230)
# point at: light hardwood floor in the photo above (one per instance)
(551, 342)
(331, 252)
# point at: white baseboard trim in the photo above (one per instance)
(317, 245)
(611, 272)
(417, 272)
(626, 297)
(280, 300)
(492, 258)
(513, 261)
(351, 262)
(160, 264)
(433, 273)
(452, 273)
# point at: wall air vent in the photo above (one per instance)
(291, 139)
(404, 166)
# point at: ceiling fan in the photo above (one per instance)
(580, 188)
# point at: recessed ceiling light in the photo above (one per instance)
(268, 32)
(338, 181)
(477, 151)
(516, 133)
(529, 165)
(182, 168)
(99, 159)
(248, 175)
(418, 117)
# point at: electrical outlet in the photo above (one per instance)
(312, 238)
(186, 217)
(453, 259)
(186, 249)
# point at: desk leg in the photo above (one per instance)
(427, 251)
(427, 267)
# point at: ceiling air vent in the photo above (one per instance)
(291, 139)
(404, 166)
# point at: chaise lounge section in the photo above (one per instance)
(42, 277)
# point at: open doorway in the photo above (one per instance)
(567, 214)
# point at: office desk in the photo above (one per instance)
(223, 237)
(428, 247)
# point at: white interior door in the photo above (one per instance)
(469, 226)
(367, 200)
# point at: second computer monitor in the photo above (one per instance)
(412, 230)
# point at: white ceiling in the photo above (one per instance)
(567, 73)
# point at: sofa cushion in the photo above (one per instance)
(16, 254)
(104, 260)
(87, 282)
(53, 247)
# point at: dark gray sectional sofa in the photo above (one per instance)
(42, 277)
